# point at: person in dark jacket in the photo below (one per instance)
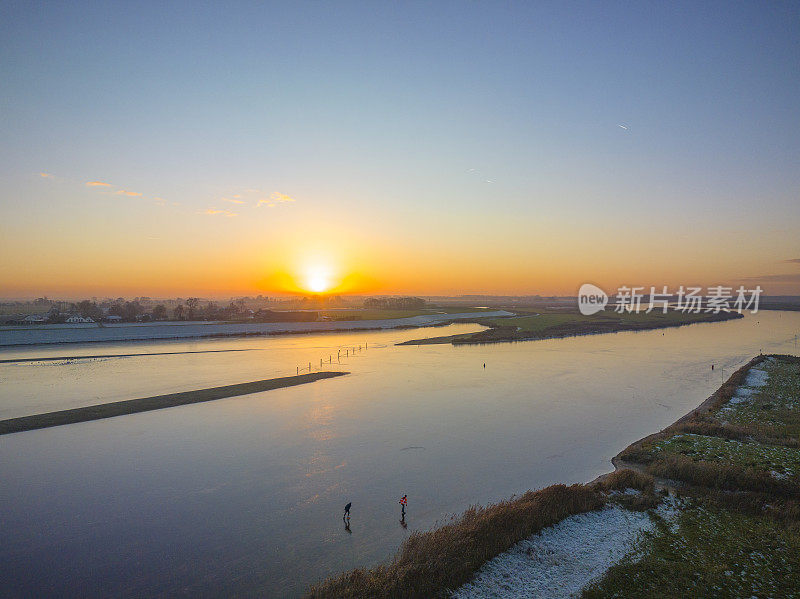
(347, 511)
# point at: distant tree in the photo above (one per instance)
(131, 310)
(234, 307)
(395, 303)
(192, 304)
(374, 302)
(160, 312)
(54, 316)
(210, 311)
(88, 309)
(178, 312)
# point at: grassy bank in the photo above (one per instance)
(549, 324)
(158, 402)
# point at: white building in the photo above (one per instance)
(77, 318)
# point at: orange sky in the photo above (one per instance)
(167, 252)
(416, 150)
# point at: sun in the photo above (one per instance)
(318, 279)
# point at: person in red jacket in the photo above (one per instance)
(403, 503)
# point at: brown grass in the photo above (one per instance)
(625, 478)
(720, 475)
(786, 509)
(754, 432)
(431, 563)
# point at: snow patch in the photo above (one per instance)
(562, 559)
(756, 377)
(742, 395)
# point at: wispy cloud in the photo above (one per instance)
(793, 260)
(119, 192)
(783, 278)
(46, 175)
(217, 211)
(274, 199)
(280, 197)
(234, 200)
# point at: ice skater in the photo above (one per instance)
(403, 502)
(346, 516)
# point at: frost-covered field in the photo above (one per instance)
(561, 560)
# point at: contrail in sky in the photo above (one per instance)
(623, 126)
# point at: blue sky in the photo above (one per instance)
(477, 115)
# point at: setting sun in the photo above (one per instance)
(318, 279)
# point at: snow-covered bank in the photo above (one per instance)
(179, 330)
(561, 560)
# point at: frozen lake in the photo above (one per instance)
(245, 495)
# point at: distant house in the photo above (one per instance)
(34, 319)
(78, 319)
(113, 318)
